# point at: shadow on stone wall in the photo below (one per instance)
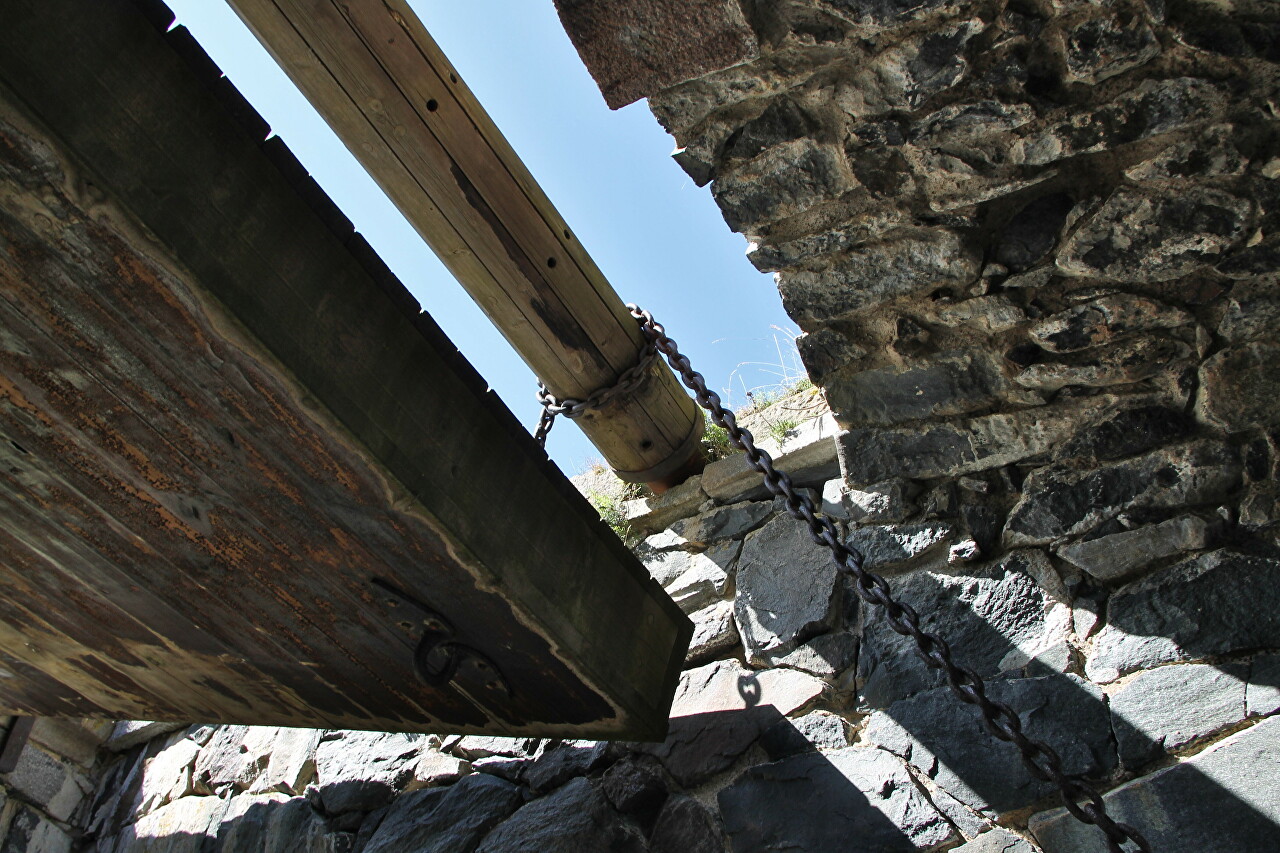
(802, 800)
(1186, 807)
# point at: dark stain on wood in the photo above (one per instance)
(569, 334)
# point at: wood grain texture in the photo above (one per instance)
(371, 69)
(221, 419)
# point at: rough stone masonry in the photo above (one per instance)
(1034, 247)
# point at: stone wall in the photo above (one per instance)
(42, 797)
(801, 722)
(1033, 248)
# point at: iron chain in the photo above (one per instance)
(626, 383)
(999, 719)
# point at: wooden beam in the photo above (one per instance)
(382, 84)
(243, 478)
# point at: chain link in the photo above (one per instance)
(1000, 720)
(627, 382)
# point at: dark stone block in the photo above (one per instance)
(1168, 707)
(1240, 388)
(1060, 501)
(822, 802)
(946, 739)
(910, 338)
(701, 745)
(560, 764)
(881, 11)
(1158, 360)
(1103, 47)
(818, 730)
(345, 822)
(1154, 107)
(1214, 604)
(30, 831)
(785, 180)
(783, 740)
(786, 590)
(356, 796)
(882, 546)
(511, 769)
(1127, 433)
(826, 655)
(1033, 232)
(1226, 31)
(684, 826)
(574, 819)
(949, 384)
(1153, 235)
(1252, 312)
(1114, 552)
(931, 450)
(985, 613)
(939, 62)
(446, 820)
(1104, 320)
(368, 827)
(825, 351)
(885, 172)
(262, 823)
(907, 262)
(1262, 259)
(634, 786)
(1225, 800)
(782, 121)
(696, 164)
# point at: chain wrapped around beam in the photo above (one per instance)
(626, 383)
(1081, 800)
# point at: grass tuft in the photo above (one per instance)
(612, 513)
(777, 430)
(715, 442)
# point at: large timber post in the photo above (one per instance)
(374, 73)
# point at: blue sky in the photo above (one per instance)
(659, 239)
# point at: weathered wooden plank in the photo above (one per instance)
(377, 77)
(235, 439)
(438, 115)
(110, 370)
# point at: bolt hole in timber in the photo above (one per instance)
(433, 105)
